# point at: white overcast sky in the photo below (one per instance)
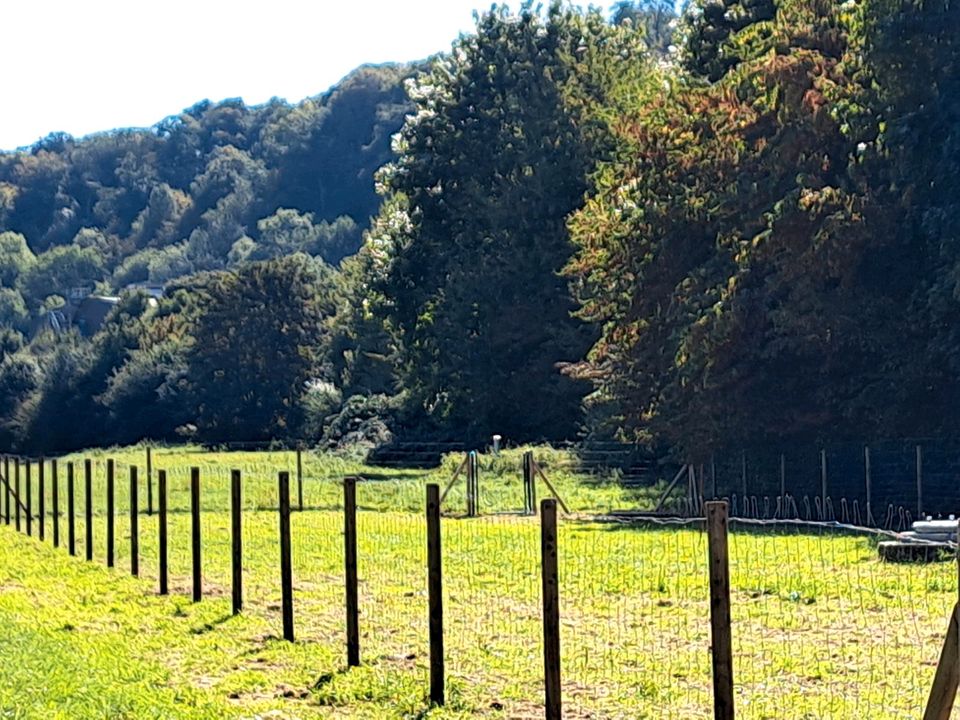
(83, 66)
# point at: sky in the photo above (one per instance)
(84, 66)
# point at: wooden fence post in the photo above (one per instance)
(299, 480)
(71, 518)
(946, 681)
(29, 510)
(551, 608)
(236, 535)
(55, 482)
(435, 594)
(286, 565)
(162, 529)
(6, 485)
(471, 500)
(350, 570)
(720, 630)
(134, 525)
(149, 482)
(88, 506)
(111, 497)
(19, 495)
(195, 533)
(41, 488)
(475, 464)
(919, 482)
(868, 481)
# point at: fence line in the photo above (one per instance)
(575, 590)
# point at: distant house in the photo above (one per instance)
(154, 290)
(86, 313)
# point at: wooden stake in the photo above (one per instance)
(299, 480)
(55, 482)
(286, 564)
(551, 609)
(134, 525)
(16, 470)
(195, 533)
(943, 692)
(149, 482)
(162, 531)
(720, 624)
(236, 536)
(41, 488)
(867, 472)
(29, 510)
(466, 459)
(350, 570)
(549, 484)
(71, 515)
(110, 510)
(435, 593)
(6, 487)
(88, 507)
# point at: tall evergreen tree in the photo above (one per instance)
(474, 235)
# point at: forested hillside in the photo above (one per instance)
(734, 227)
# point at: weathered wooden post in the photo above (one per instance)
(720, 625)
(110, 512)
(71, 515)
(6, 485)
(55, 482)
(16, 492)
(470, 498)
(195, 533)
(162, 529)
(299, 480)
(29, 509)
(236, 535)
(286, 564)
(529, 484)
(149, 481)
(946, 681)
(350, 570)
(134, 525)
(551, 608)
(435, 594)
(41, 492)
(88, 506)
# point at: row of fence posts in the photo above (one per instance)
(716, 525)
(696, 488)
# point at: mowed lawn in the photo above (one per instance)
(822, 629)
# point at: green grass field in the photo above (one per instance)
(821, 628)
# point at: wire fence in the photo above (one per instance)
(821, 627)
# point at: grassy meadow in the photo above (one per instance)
(822, 629)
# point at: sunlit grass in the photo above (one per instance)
(822, 629)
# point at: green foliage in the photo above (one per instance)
(15, 258)
(466, 252)
(59, 270)
(254, 349)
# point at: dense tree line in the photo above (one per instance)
(733, 227)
